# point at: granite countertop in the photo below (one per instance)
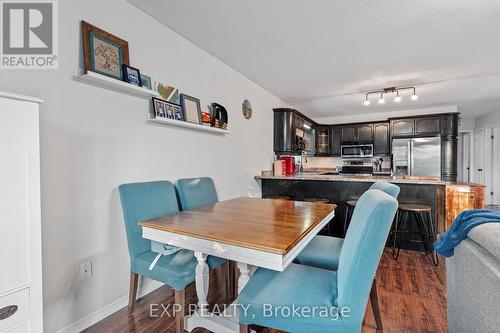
(354, 178)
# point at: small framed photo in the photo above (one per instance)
(191, 109)
(131, 75)
(146, 81)
(165, 109)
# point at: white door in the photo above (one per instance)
(464, 157)
(479, 151)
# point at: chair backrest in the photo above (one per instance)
(196, 192)
(144, 201)
(362, 249)
(391, 189)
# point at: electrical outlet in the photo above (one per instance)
(86, 270)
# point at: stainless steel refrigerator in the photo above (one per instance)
(417, 157)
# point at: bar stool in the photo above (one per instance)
(349, 204)
(326, 229)
(425, 227)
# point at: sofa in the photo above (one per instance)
(473, 282)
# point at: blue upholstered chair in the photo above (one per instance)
(143, 201)
(197, 192)
(324, 251)
(309, 287)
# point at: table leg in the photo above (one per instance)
(202, 281)
(244, 276)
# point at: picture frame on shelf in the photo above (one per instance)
(146, 81)
(168, 93)
(103, 52)
(165, 109)
(191, 109)
(131, 75)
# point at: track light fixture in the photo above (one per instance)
(390, 90)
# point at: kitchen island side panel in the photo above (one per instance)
(340, 192)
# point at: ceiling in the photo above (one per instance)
(322, 56)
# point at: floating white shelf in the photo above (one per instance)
(116, 85)
(185, 124)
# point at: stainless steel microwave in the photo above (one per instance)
(356, 151)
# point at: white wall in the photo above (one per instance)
(93, 139)
(491, 119)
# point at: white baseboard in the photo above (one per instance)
(107, 310)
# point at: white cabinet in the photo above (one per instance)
(20, 226)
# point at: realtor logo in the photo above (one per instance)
(29, 34)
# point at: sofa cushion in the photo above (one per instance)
(487, 236)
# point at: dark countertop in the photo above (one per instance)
(354, 178)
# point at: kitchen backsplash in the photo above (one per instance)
(336, 162)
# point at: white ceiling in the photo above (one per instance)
(321, 56)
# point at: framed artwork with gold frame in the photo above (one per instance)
(103, 52)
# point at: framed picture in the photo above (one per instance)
(131, 75)
(146, 81)
(165, 109)
(103, 52)
(191, 109)
(167, 92)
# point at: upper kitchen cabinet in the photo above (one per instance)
(335, 140)
(357, 133)
(323, 141)
(365, 133)
(403, 127)
(427, 125)
(349, 133)
(294, 133)
(381, 141)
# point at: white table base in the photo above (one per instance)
(228, 322)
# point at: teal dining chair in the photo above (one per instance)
(144, 201)
(197, 192)
(324, 252)
(327, 300)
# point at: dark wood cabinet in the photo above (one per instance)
(427, 125)
(381, 141)
(349, 133)
(335, 140)
(365, 133)
(323, 141)
(284, 141)
(403, 127)
(357, 133)
(294, 133)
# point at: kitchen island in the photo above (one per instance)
(447, 199)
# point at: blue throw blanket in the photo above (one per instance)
(458, 231)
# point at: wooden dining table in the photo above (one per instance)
(254, 232)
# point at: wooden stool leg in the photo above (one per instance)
(132, 292)
(375, 308)
(179, 316)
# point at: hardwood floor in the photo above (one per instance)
(412, 296)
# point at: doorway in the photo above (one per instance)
(464, 156)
